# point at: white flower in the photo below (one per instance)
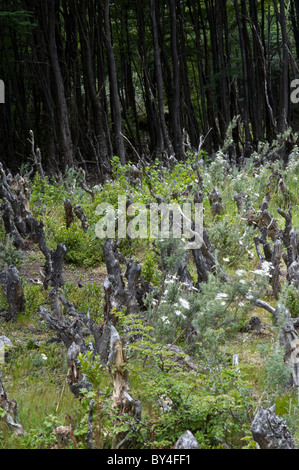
(44, 357)
(242, 281)
(226, 260)
(241, 304)
(249, 297)
(178, 313)
(184, 303)
(221, 296)
(240, 272)
(264, 270)
(165, 320)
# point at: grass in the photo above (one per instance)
(40, 387)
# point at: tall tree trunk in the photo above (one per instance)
(88, 62)
(159, 78)
(175, 108)
(115, 103)
(245, 110)
(65, 140)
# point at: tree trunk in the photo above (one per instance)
(115, 104)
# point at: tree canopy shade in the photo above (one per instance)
(96, 79)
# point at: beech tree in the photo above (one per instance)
(98, 79)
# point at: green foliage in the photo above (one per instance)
(292, 300)
(18, 20)
(228, 237)
(87, 298)
(42, 438)
(149, 270)
(84, 249)
(9, 255)
(276, 373)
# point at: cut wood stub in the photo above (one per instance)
(81, 216)
(215, 199)
(121, 398)
(289, 339)
(187, 441)
(69, 213)
(54, 265)
(76, 380)
(10, 407)
(270, 431)
(11, 285)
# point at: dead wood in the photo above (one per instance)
(270, 431)
(12, 288)
(10, 407)
(81, 216)
(187, 441)
(215, 200)
(69, 213)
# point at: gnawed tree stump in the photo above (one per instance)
(36, 155)
(275, 268)
(84, 185)
(183, 272)
(69, 213)
(75, 379)
(290, 239)
(239, 200)
(25, 229)
(11, 285)
(81, 216)
(254, 324)
(70, 333)
(187, 441)
(10, 407)
(215, 200)
(270, 431)
(206, 262)
(290, 340)
(122, 401)
(288, 337)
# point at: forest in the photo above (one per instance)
(149, 225)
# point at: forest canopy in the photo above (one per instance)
(98, 79)
(149, 225)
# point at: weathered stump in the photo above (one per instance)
(270, 431)
(12, 288)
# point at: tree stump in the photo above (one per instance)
(12, 288)
(270, 431)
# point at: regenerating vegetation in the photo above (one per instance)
(193, 359)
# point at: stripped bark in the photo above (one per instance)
(121, 398)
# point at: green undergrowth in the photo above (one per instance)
(217, 401)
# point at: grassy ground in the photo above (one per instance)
(39, 386)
